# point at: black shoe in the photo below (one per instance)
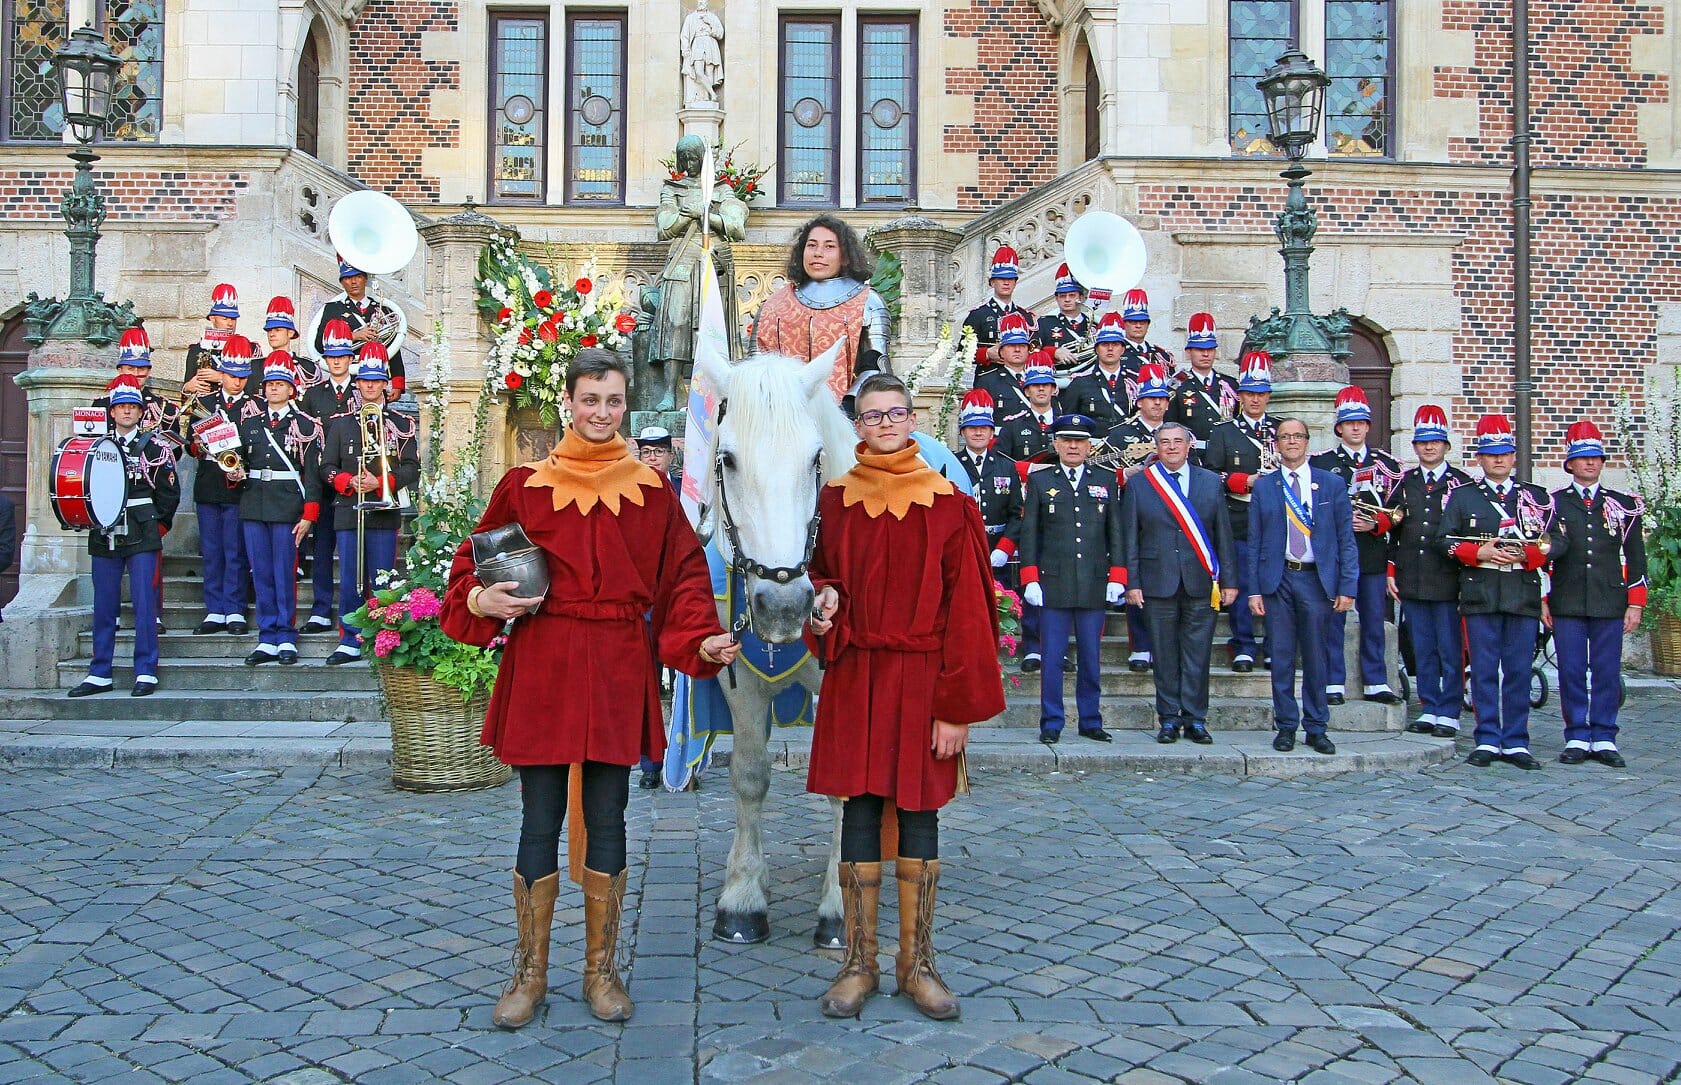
(1138, 666)
(339, 658)
(1321, 743)
(1520, 760)
(1444, 732)
(1611, 758)
(1420, 727)
(1030, 664)
(649, 781)
(207, 627)
(1480, 759)
(317, 625)
(1243, 665)
(237, 627)
(143, 689)
(1284, 741)
(162, 629)
(1099, 735)
(1198, 733)
(1050, 738)
(1335, 699)
(89, 689)
(288, 657)
(1168, 734)
(1573, 755)
(258, 657)
(1384, 696)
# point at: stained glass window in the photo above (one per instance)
(518, 114)
(595, 88)
(1359, 116)
(887, 101)
(809, 170)
(134, 31)
(1260, 31)
(35, 30)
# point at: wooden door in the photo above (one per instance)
(1370, 370)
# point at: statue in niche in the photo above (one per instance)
(701, 50)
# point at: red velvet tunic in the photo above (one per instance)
(578, 680)
(915, 640)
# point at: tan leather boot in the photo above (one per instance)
(604, 897)
(860, 975)
(918, 880)
(529, 986)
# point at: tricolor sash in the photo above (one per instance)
(1189, 522)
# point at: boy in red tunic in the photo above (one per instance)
(907, 621)
(578, 683)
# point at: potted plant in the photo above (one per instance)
(1653, 447)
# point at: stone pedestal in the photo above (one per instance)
(1314, 402)
(705, 121)
(454, 244)
(924, 249)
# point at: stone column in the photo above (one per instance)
(705, 121)
(1306, 387)
(924, 249)
(454, 244)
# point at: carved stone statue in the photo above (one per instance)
(675, 310)
(702, 55)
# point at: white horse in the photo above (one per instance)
(779, 437)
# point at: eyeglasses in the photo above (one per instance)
(1290, 437)
(876, 418)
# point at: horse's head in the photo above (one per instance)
(779, 437)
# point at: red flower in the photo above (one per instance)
(544, 300)
(678, 175)
(503, 314)
(547, 332)
(750, 186)
(513, 380)
(583, 286)
(587, 341)
(524, 336)
(625, 323)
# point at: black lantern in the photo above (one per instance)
(87, 74)
(1294, 89)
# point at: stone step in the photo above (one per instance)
(180, 643)
(190, 591)
(309, 674)
(1224, 714)
(1115, 679)
(179, 704)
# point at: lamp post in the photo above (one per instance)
(87, 72)
(1294, 89)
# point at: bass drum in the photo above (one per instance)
(90, 484)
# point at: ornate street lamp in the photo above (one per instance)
(1294, 89)
(87, 72)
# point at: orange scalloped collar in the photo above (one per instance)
(891, 483)
(586, 473)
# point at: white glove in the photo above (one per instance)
(1000, 559)
(1033, 595)
(1113, 593)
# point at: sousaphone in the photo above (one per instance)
(373, 232)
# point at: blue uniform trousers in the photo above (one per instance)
(1502, 648)
(1371, 599)
(1242, 641)
(1589, 648)
(221, 547)
(1438, 640)
(1298, 615)
(323, 541)
(382, 554)
(108, 600)
(274, 569)
(1056, 623)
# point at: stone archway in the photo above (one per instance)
(1371, 370)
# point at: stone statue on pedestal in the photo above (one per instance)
(702, 56)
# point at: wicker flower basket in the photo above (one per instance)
(435, 735)
(1666, 645)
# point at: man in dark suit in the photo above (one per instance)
(1177, 539)
(1303, 567)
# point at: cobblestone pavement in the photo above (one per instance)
(313, 925)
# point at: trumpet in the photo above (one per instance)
(1373, 509)
(228, 459)
(1542, 542)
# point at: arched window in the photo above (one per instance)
(35, 29)
(1370, 370)
(309, 98)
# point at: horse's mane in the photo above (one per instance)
(761, 389)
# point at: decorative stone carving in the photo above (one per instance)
(701, 49)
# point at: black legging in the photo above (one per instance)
(543, 794)
(919, 831)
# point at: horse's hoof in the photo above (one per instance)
(831, 933)
(741, 928)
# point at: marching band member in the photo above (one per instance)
(1135, 320)
(1179, 557)
(1104, 392)
(997, 487)
(280, 326)
(350, 474)
(906, 617)
(1062, 334)
(1240, 450)
(1426, 584)
(1204, 397)
(1370, 475)
(1501, 533)
(280, 499)
(1598, 593)
(221, 540)
(199, 377)
(1005, 380)
(1072, 567)
(1136, 440)
(985, 318)
(363, 312)
(133, 548)
(1303, 568)
(1027, 434)
(324, 401)
(158, 417)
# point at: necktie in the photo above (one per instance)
(1074, 480)
(1297, 541)
(1173, 478)
(1587, 495)
(274, 418)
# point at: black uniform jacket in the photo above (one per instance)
(273, 451)
(341, 460)
(1008, 396)
(210, 484)
(322, 403)
(998, 490)
(1022, 436)
(1056, 330)
(342, 308)
(983, 319)
(154, 493)
(1094, 395)
(1604, 571)
(1416, 563)
(1473, 511)
(1374, 550)
(1071, 536)
(1234, 451)
(1200, 407)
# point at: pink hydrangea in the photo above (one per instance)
(1009, 643)
(386, 642)
(424, 604)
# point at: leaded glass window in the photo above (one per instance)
(1359, 58)
(1260, 31)
(134, 31)
(809, 170)
(35, 30)
(518, 80)
(595, 88)
(887, 101)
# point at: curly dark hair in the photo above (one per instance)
(856, 262)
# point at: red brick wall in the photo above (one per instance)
(1584, 90)
(1014, 86)
(176, 196)
(1601, 266)
(391, 85)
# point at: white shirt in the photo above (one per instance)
(1073, 474)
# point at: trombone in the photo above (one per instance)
(371, 453)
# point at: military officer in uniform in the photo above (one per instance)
(1501, 533)
(369, 319)
(1240, 450)
(1135, 320)
(984, 318)
(221, 541)
(1371, 474)
(1204, 397)
(996, 486)
(279, 500)
(1027, 434)
(1598, 594)
(1005, 381)
(1104, 392)
(1065, 334)
(1135, 440)
(199, 377)
(1072, 566)
(133, 548)
(1426, 584)
(331, 396)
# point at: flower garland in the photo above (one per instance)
(538, 325)
(943, 369)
